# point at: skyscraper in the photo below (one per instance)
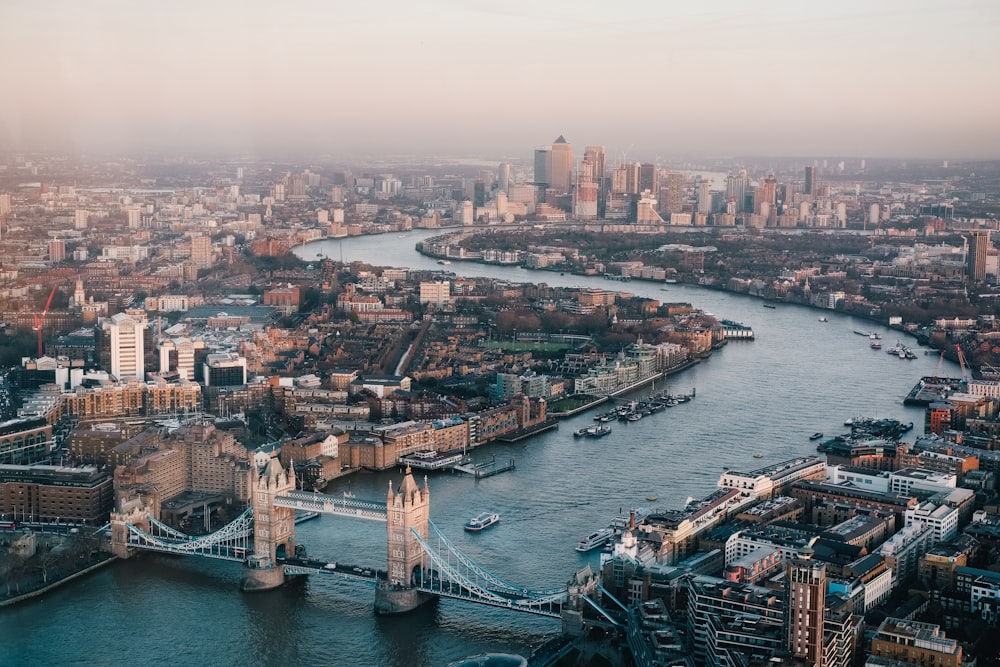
(811, 185)
(736, 189)
(503, 177)
(975, 260)
(806, 582)
(561, 165)
(585, 193)
(632, 178)
(649, 178)
(672, 199)
(595, 156)
(543, 160)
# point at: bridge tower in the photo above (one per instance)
(407, 511)
(273, 528)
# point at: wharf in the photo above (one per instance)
(931, 389)
(432, 460)
(486, 468)
(522, 434)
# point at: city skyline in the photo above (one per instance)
(786, 79)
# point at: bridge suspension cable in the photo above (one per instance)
(458, 576)
(496, 583)
(231, 542)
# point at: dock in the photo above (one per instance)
(522, 434)
(486, 468)
(432, 460)
(931, 389)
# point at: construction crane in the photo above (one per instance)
(40, 320)
(961, 362)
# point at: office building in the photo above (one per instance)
(543, 159)
(649, 177)
(225, 369)
(596, 157)
(811, 187)
(126, 334)
(561, 166)
(915, 643)
(503, 177)
(49, 493)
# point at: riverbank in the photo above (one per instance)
(101, 561)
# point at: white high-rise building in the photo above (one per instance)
(127, 337)
(503, 177)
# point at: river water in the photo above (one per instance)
(762, 397)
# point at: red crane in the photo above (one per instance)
(40, 320)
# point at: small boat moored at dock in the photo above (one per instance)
(816, 436)
(482, 521)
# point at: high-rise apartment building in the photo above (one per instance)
(201, 251)
(736, 189)
(704, 197)
(437, 292)
(672, 195)
(806, 583)
(126, 333)
(57, 250)
(975, 261)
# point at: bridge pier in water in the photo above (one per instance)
(407, 514)
(273, 529)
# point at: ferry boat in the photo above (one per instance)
(592, 432)
(875, 345)
(444, 261)
(482, 521)
(594, 540)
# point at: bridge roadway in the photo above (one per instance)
(318, 502)
(315, 566)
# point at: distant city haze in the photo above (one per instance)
(649, 79)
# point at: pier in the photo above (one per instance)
(486, 468)
(432, 460)
(522, 434)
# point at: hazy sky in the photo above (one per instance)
(875, 78)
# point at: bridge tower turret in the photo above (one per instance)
(407, 511)
(273, 528)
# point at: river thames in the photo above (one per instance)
(764, 397)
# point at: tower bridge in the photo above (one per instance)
(422, 563)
